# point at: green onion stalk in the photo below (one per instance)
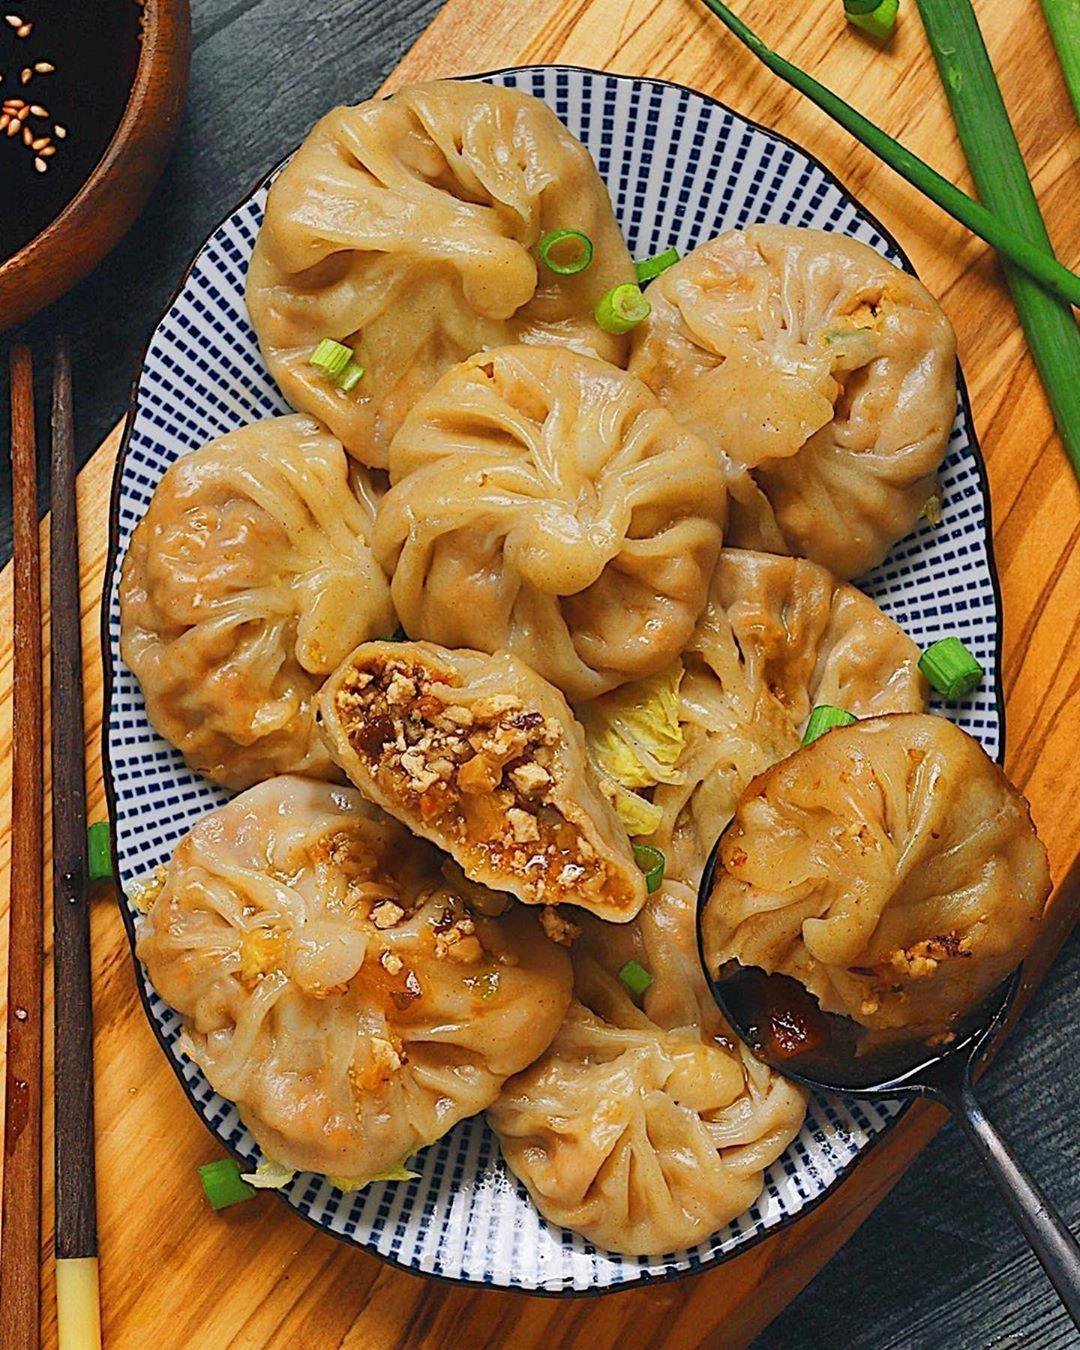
(1012, 243)
(1063, 20)
(997, 167)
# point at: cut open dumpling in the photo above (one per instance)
(247, 581)
(335, 985)
(407, 229)
(890, 867)
(645, 1127)
(483, 757)
(546, 504)
(827, 373)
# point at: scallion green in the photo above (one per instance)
(650, 268)
(621, 308)
(652, 862)
(823, 719)
(1036, 260)
(564, 266)
(636, 978)
(997, 167)
(337, 362)
(1063, 20)
(222, 1183)
(951, 668)
(876, 17)
(99, 851)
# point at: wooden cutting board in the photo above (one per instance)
(173, 1273)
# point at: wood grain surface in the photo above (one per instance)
(173, 1274)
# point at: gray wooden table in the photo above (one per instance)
(939, 1263)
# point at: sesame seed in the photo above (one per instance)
(28, 136)
(25, 74)
(13, 19)
(40, 164)
(38, 111)
(48, 150)
(40, 143)
(44, 67)
(59, 132)
(5, 118)
(23, 113)
(13, 129)
(24, 30)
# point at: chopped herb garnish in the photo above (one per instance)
(876, 17)
(621, 308)
(823, 719)
(569, 262)
(650, 268)
(222, 1183)
(651, 861)
(636, 978)
(951, 668)
(336, 361)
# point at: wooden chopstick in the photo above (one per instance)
(20, 1234)
(77, 1300)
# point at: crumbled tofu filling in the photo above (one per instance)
(481, 773)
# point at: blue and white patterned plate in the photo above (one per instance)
(680, 168)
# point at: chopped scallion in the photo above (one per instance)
(651, 861)
(349, 376)
(951, 668)
(566, 266)
(879, 20)
(636, 978)
(99, 851)
(621, 308)
(330, 358)
(650, 268)
(823, 719)
(222, 1183)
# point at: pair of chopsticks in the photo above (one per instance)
(78, 1318)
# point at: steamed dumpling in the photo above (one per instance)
(480, 755)
(248, 580)
(407, 228)
(645, 1127)
(825, 371)
(546, 504)
(778, 637)
(890, 867)
(335, 986)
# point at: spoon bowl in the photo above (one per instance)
(783, 1025)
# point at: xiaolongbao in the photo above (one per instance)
(407, 228)
(247, 581)
(645, 1127)
(335, 986)
(890, 867)
(483, 757)
(546, 504)
(778, 636)
(823, 369)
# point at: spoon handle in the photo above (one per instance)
(1040, 1223)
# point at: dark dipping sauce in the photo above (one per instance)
(94, 47)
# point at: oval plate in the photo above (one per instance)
(680, 168)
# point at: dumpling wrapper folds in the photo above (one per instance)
(335, 986)
(646, 1126)
(824, 371)
(407, 229)
(890, 867)
(247, 581)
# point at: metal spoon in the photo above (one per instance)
(767, 1011)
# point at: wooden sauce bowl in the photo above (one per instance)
(115, 191)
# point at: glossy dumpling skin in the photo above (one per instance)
(778, 637)
(335, 986)
(483, 757)
(407, 227)
(645, 1127)
(546, 504)
(825, 371)
(248, 580)
(890, 867)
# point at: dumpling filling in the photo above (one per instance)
(484, 773)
